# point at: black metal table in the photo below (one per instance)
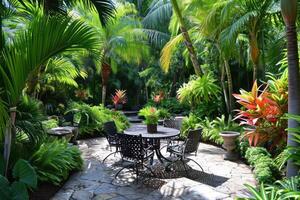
(154, 138)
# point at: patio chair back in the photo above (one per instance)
(110, 128)
(193, 141)
(111, 133)
(171, 123)
(131, 147)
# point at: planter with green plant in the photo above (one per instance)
(151, 115)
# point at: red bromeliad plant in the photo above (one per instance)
(262, 111)
(159, 97)
(119, 97)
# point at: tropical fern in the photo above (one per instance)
(54, 160)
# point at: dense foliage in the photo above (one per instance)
(92, 118)
(54, 160)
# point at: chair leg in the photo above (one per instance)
(119, 172)
(185, 168)
(189, 159)
(149, 168)
(109, 155)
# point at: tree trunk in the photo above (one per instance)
(9, 137)
(224, 89)
(103, 94)
(187, 40)
(1, 30)
(289, 13)
(230, 86)
(105, 72)
(254, 52)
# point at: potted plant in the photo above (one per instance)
(119, 99)
(230, 138)
(163, 114)
(230, 133)
(151, 115)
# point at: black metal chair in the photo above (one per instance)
(112, 136)
(133, 151)
(190, 145)
(171, 123)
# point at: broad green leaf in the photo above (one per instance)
(19, 191)
(25, 173)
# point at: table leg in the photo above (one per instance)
(158, 153)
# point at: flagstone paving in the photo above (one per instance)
(220, 180)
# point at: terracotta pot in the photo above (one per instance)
(229, 144)
(152, 128)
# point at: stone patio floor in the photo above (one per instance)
(220, 180)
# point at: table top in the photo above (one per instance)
(162, 132)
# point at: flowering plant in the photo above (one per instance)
(151, 115)
(159, 97)
(119, 97)
(264, 112)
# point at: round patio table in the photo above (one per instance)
(154, 138)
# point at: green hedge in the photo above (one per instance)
(265, 169)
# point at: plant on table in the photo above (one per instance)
(264, 110)
(151, 115)
(119, 98)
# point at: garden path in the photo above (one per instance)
(221, 180)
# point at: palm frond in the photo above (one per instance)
(47, 37)
(106, 10)
(157, 38)
(160, 11)
(168, 50)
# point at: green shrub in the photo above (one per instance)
(28, 121)
(54, 160)
(212, 129)
(265, 169)
(50, 123)
(189, 123)
(171, 104)
(164, 113)
(254, 153)
(282, 189)
(92, 118)
(243, 145)
(199, 90)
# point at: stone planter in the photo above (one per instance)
(229, 144)
(152, 128)
(119, 106)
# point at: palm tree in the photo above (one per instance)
(211, 29)
(161, 11)
(43, 38)
(122, 37)
(249, 16)
(289, 13)
(187, 40)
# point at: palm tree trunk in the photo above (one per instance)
(224, 89)
(104, 87)
(187, 39)
(289, 13)
(229, 83)
(254, 52)
(1, 30)
(9, 137)
(105, 72)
